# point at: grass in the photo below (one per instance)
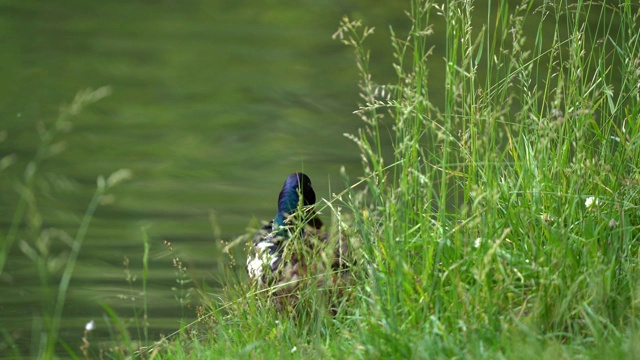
(38, 247)
(504, 221)
(498, 221)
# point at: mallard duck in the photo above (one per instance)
(292, 247)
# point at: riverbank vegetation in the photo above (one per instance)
(503, 222)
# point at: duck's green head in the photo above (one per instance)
(296, 185)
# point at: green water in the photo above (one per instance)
(214, 103)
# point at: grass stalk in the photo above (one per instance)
(56, 318)
(145, 274)
(45, 149)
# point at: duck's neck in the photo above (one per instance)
(279, 220)
(287, 205)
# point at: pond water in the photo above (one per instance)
(214, 103)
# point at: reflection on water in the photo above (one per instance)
(213, 104)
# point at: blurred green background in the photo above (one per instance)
(214, 103)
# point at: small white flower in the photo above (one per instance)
(477, 243)
(293, 349)
(90, 326)
(591, 201)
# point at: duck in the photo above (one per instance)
(293, 248)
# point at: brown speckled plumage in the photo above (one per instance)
(297, 252)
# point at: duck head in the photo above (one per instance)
(296, 185)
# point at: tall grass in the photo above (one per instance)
(35, 240)
(48, 146)
(502, 221)
(481, 229)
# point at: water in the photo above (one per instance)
(214, 103)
